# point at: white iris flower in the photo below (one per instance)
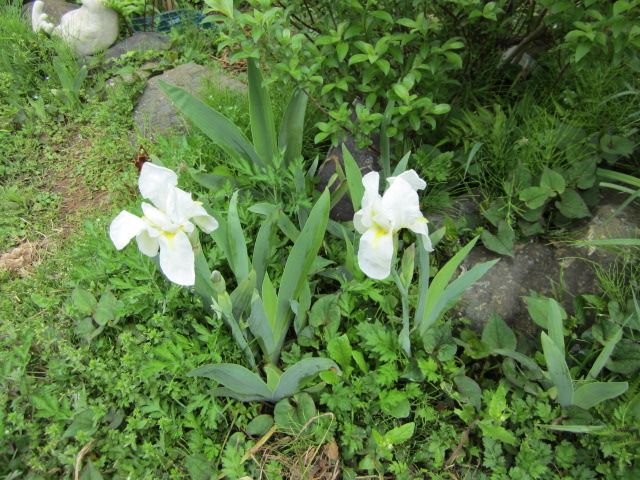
(166, 225)
(381, 217)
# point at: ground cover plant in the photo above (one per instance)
(230, 328)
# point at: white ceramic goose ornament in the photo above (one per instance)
(88, 29)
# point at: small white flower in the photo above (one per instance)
(166, 226)
(381, 217)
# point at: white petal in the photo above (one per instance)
(371, 182)
(177, 261)
(420, 227)
(206, 222)
(124, 227)
(179, 204)
(156, 182)
(148, 244)
(371, 211)
(157, 218)
(412, 178)
(361, 221)
(402, 204)
(376, 253)
(183, 208)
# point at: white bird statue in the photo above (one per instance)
(87, 30)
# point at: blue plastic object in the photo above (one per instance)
(165, 21)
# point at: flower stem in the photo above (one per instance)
(403, 338)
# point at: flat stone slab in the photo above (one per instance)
(138, 42)
(155, 114)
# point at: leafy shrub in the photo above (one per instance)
(404, 60)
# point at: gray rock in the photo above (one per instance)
(54, 8)
(533, 268)
(609, 221)
(139, 42)
(367, 160)
(155, 114)
(559, 269)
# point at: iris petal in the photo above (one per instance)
(402, 204)
(412, 178)
(124, 227)
(177, 259)
(375, 253)
(148, 244)
(155, 183)
(420, 227)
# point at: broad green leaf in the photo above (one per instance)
(576, 428)
(238, 256)
(555, 315)
(552, 180)
(107, 309)
(261, 326)
(214, 125)
(84, 301)
(242, 397)
(242, 295)
(497, 334)
(212, 181)
(535, 197)
(263, 130)
(521, 358)
(236, 378)
(440, 282)
(339, 349)
(605, 354)
(354, 178)
(423, 279)
(82, 422)
(591, 394)
(395, 403)
(441, 295)
(342, 48)
(501, 243)
(407, 265)
(497, 432)
(469, 390)
(581, 50)
(269, 299)
(292, 127)
(259, 425)
(273, 376)
(301, 308)
(400, 434)
(299, 263)
(571, 205)
(402, 165)
(262, 249)
(293, 376)
(558, 370)
(625, 358)
(616, 145)
(222, 6)
(633, 408)
(538, 310)
(203, 286)
(90, 472)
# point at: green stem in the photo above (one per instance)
(404, 339)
